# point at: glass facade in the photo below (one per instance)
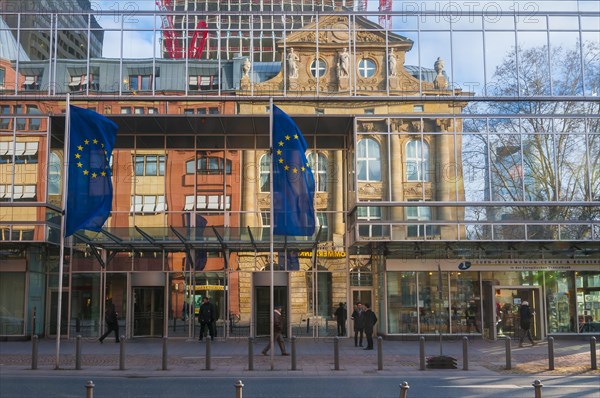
(468, 137)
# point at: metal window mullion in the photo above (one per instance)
(456, 173)
(185, 23)
(55, 55)
(18, 62)
(387, 57)
(489, 166)
(549, 56)
(452, 82)
(317, 59)
(121, 63)
(483, 31)
(581, 63)
(515, 20)
(154, 59)
(417, 297)
(87, 63)
(352, 47)
(419, 56)
(283, 59)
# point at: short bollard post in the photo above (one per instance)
(550, 353)
(78, 352)
(239, 386)
(593, 353)
(122, 354)
(404, 389)
(465, 353)
(422, 353)
(250, 353)
(165, 353)
(34, 352)
(508, 353)
(537, 385)
(89, 389)
(336, 353)
(207, 356)
(293, 352)
(379, 353)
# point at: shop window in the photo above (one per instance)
(366, 67)
(149, 165)
(417, 161)
(2, 78)
(318, 164)
(265, 173)
(368, 160)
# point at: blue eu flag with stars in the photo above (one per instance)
(293, 180)
(89, 192)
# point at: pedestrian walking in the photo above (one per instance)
(359, 324)
(525, 314)
(207, 316)
(340, 317)
(277, 332)
(111, 317)
(370, 319)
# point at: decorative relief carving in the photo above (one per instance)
(444, 125)
(369, 37)
(370, 190)
(414, 190)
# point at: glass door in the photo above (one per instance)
(52, 314)
(148, 311)
(507, 302)
(262, 308)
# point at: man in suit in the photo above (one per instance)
(370, 319)
(277, 332)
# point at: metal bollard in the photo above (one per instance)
(122, 354)
(593, 353)
(239, 389)
(422, 353)
(78, 353)
(465, 353)
(293, 352)
(250, 353)
(207, 356)
(89, 389)
(165, 353)
(550, 353)
(34, 352)
(336, 353)
(537, 385)
(404, 389)
(508, 353)
(379, 353)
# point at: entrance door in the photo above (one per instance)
(361, 296)
(148, 311)
(507, 301)
(52, 314)
(262, 307)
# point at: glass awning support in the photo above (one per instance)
(186, 246)
(149, 238)
(252, 239)
(93, 249)
(314, 248)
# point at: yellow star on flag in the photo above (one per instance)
(296, 136)
(95, 141)
(280, 160)
(103, 174)
(279, 151)
(287, 137)
(77, 155)
(286, 167)
(85, 172)
(86, 142)
(94, 175)
(79, 164)
(295, 170)
(280, 143)
(80, 148)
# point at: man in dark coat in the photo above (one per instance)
(277, 332)
(359, 325)
(112, 322)
(340, 317)
(525, 314)
(207, 315)
(370, 319)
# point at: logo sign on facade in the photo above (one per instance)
(465, 265)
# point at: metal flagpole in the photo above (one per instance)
(271, 248)
(61, 255)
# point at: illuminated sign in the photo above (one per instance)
(324, 254)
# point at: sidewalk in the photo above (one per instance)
(143, 357)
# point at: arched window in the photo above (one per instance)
(265, 173)
(368, 160)
(54, 172)
(417, 161)
(318, 164)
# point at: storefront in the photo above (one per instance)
(482, 297)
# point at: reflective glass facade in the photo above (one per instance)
(455, 154)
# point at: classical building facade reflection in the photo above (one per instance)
(432, 211)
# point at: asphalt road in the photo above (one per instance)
(367, 386)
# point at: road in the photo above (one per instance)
(371, 386)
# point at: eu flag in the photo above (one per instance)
(293, 181)
(89, 192)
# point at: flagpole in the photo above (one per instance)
(61, 255)
(271, 248)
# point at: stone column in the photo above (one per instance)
(338, 198)
(249, 175)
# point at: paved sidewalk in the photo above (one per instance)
(314, 358)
